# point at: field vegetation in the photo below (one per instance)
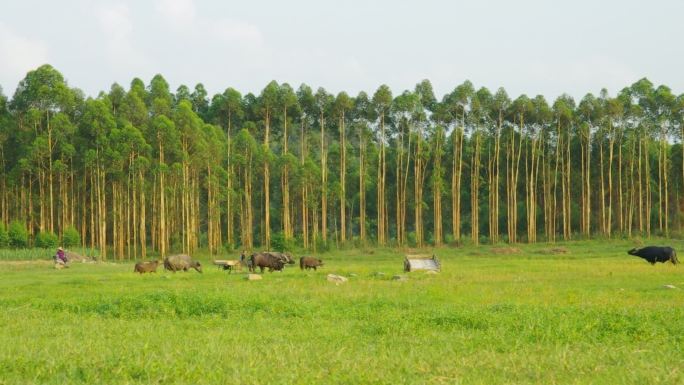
(570, 313)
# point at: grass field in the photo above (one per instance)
(593, 315)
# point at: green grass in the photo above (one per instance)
(33, 254)
(594, 315)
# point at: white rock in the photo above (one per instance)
(337, 279)
(254, 277)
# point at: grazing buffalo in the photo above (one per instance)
(272, 261)
(655, 254)
(181, 262)
(309, 263)
(146, 267)
(287, 258)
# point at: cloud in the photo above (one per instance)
(182, 16)
(116, 24)
(237, 31)
(19, 54)
(178, 12)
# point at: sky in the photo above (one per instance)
(526, 46)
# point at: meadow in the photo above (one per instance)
(580, 312)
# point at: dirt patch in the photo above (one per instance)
(505, 250)
(75, 257)
(554, 251)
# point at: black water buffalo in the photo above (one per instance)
(655, 254)
(272, 261)
(181, 262)
(146, 267)
(309, 263)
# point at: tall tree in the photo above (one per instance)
(343, 104)
(323, 104)
(287, 99)
(382, 100)
(268, 101)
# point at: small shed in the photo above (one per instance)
(413, 262)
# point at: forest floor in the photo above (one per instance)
(570, 313)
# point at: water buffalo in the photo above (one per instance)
(655, 254)
(181, 262)
(146, 267)
(309, 263)
(285, 257)
(272, 261)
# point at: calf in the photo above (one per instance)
(146, 267)
(655, 254)
(309, 263)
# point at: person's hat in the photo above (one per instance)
(60, 248)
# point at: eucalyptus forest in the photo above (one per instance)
(143, 170)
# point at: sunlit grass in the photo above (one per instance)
(592, 314)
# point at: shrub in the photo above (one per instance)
(46, 240)
(323, 246)
(281, 243)
(71, 237)
(18, 236)
(4, 236)
(412, 239)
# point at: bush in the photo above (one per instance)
(412, 239)
(280, 243)
(4, 236)
(71, 237)
(18, 236)
(323, 246)
(46, 240)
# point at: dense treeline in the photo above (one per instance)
(143, 169)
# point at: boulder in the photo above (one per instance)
(337, 279)
(254, 277)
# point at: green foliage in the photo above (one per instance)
(132, 138)
(281, 243)
(4, 236)
(18, 235)
(46, 240)
(71, 237)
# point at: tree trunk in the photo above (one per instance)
(324, 183)
(343, 182)
(456, 184)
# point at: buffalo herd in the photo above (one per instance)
(271, 260)
(276, 261)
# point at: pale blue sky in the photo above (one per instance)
(526, 46)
